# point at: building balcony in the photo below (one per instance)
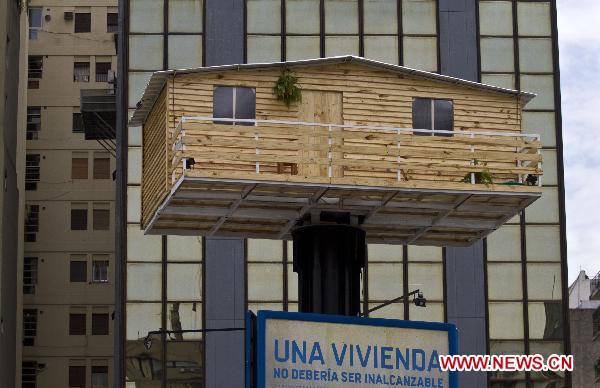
(349, 152)
(401, 185)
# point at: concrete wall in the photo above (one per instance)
(11, 47)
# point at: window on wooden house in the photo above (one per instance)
(234, 103)
(433, 114)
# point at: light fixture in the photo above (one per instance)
(531, 180)
(188, 163)
(420, 300)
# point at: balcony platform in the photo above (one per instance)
(235, 207)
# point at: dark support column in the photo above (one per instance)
(458, 38)
(466, 305)
(465, 279)
(224, 31)
(224, 267)
(224, 298)
(328, 260)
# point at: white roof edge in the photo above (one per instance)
(158, 78)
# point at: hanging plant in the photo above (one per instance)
(481, 177)
(286, 88)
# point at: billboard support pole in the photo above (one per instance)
(329, 259)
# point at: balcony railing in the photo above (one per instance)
(355, 154)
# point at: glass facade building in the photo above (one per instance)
(163, 281)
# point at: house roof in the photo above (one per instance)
(158, 79)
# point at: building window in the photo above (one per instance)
(101, 214)
(28, 374)
(112, 22)
(81, 72)
(102, 69)
(433, 114)
(78, 271)
(76, 376)
(30, 268)
(234, 103)
(34, 122)
(34, 71)
(100, 324)
(101, 167)
(79, 166)
(83, 22)
(77, 122)
(100, 271)
(32, 222)
(32, 171)
(76, 325)
(99, 376)
(29, 326)
(79, 217)
(35, 22)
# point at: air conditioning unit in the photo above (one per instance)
(68, 15)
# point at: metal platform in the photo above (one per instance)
(217, 206)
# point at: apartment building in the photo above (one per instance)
(68, 267)
(507, 293)
(584, 314)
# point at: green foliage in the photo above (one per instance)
(287, 89)
(481, 177)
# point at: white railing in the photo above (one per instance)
(474, 138)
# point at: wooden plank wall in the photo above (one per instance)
(370, 96)
(155, 163)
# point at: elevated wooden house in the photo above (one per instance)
(412, 157)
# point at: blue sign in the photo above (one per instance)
(300, 350)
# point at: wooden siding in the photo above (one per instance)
(155, 163)
(370, 97)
